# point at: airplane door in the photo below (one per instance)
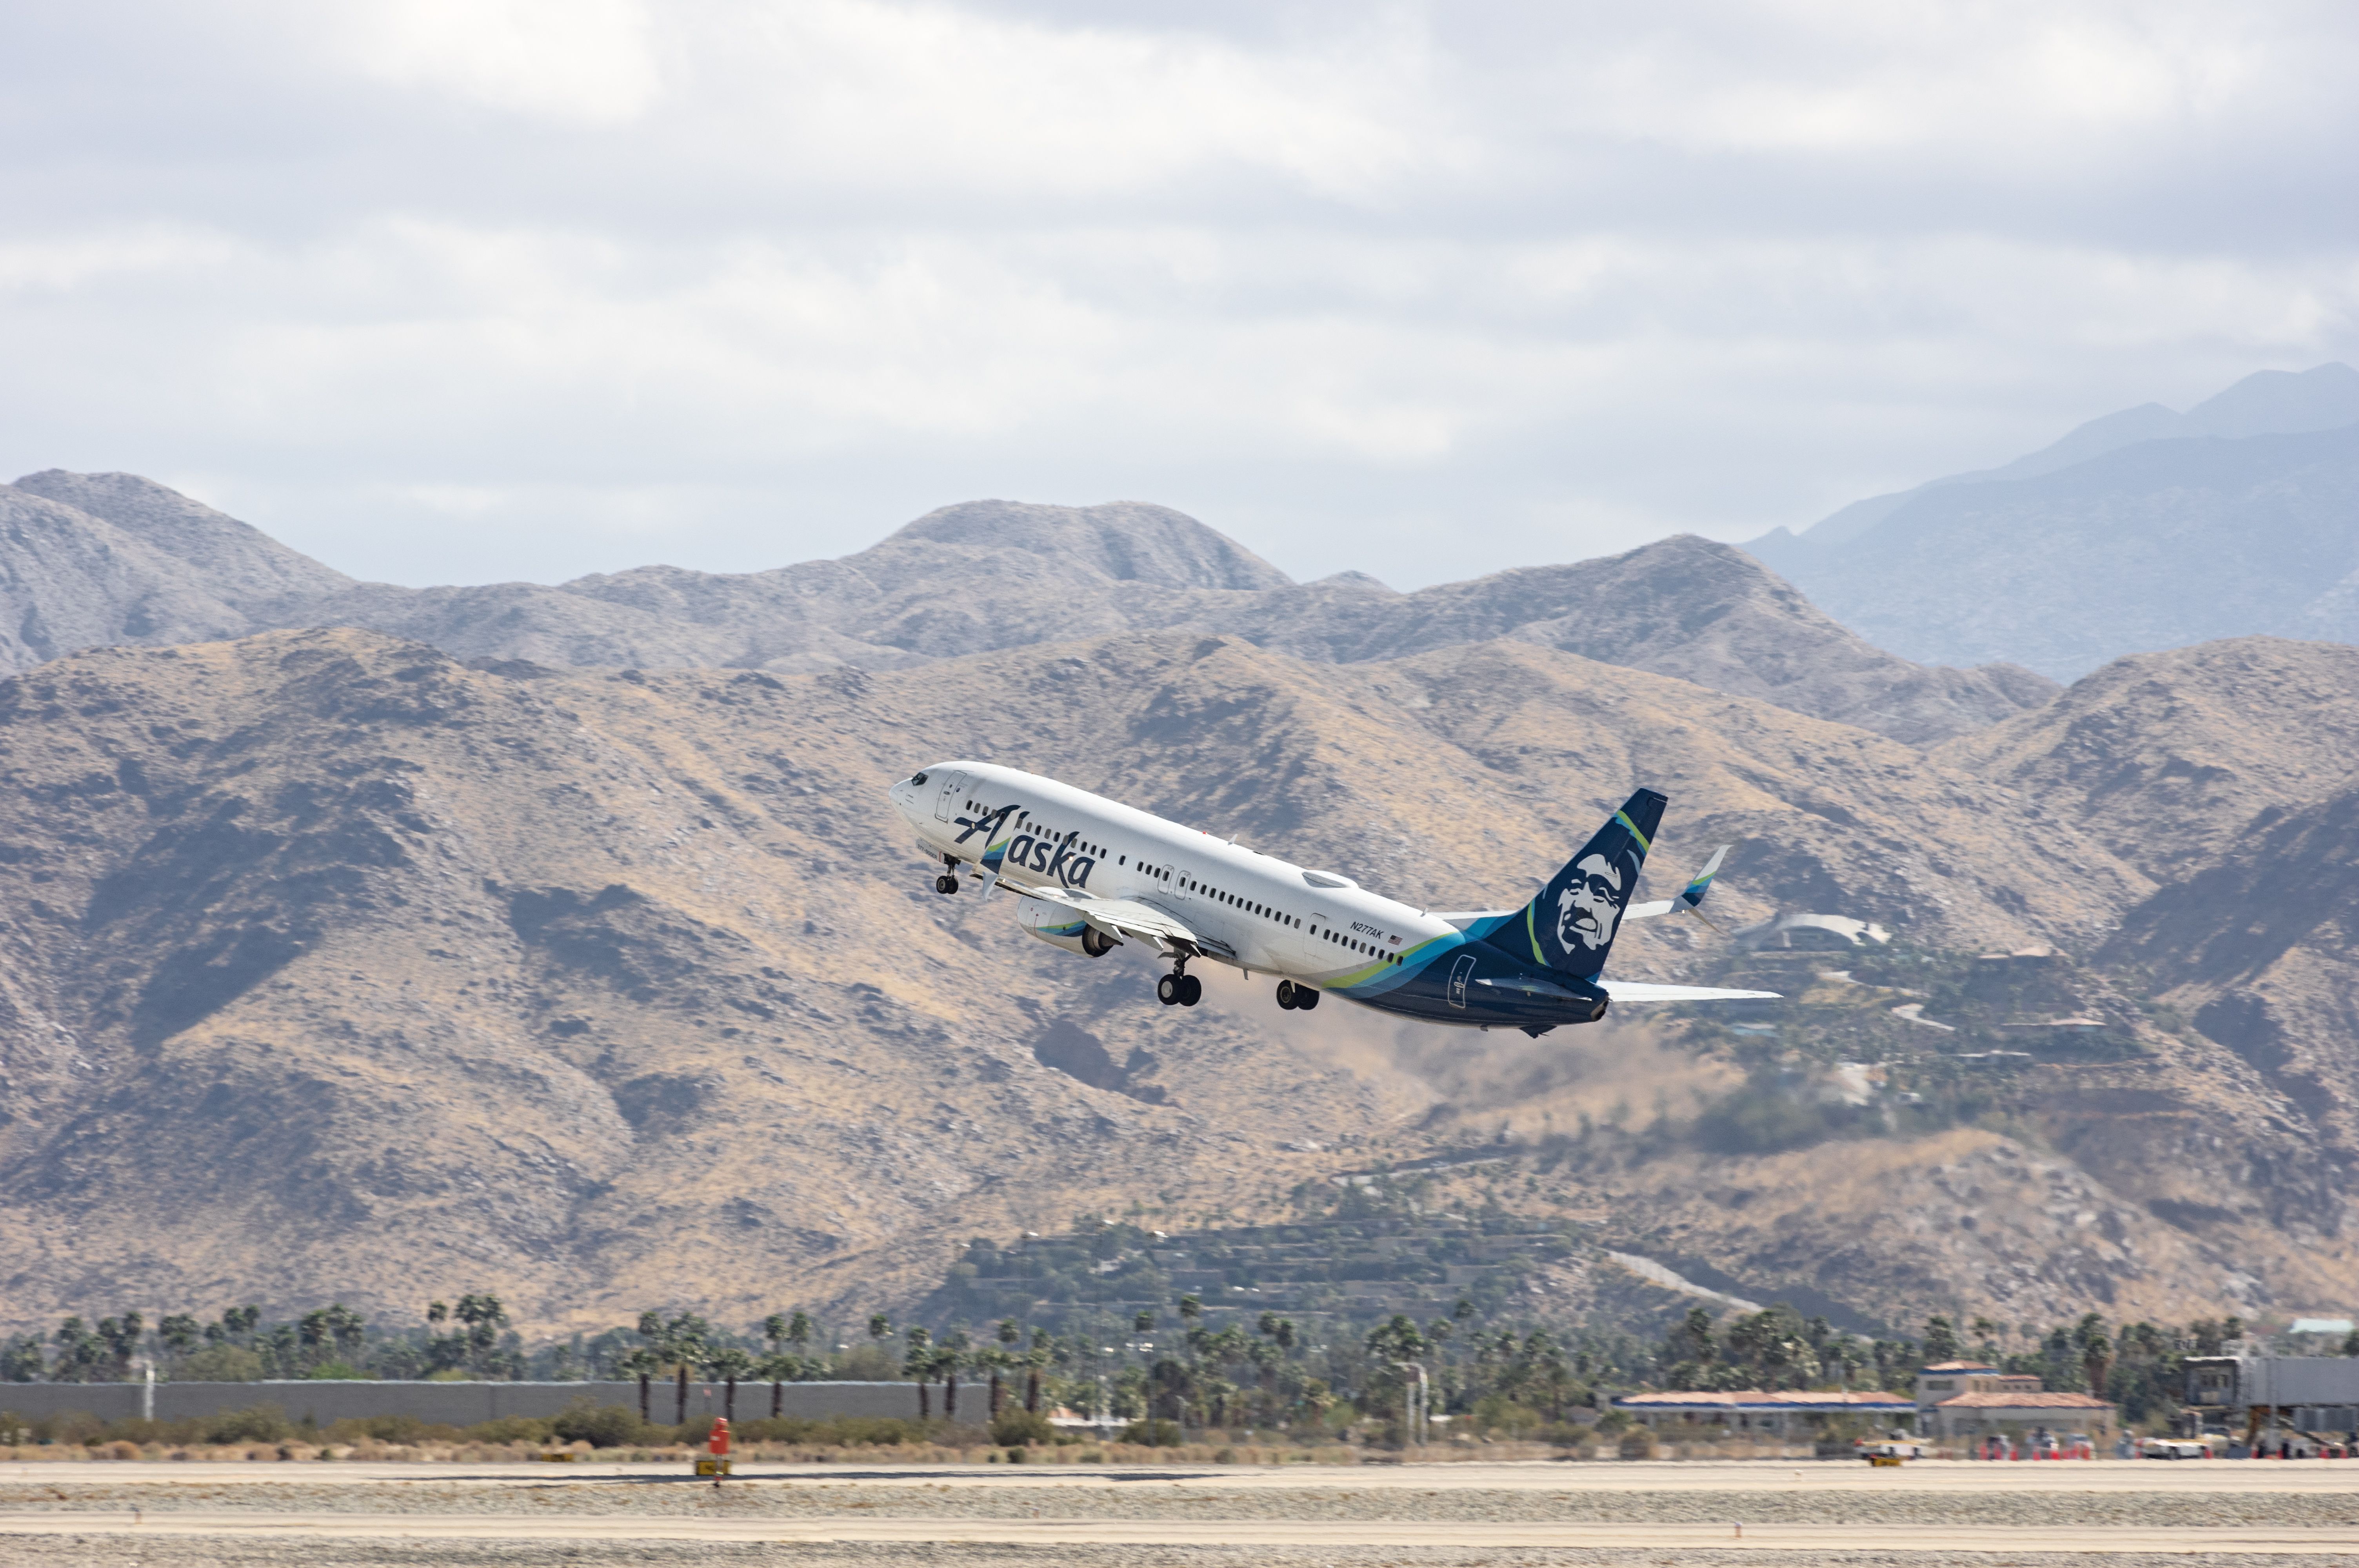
(1310, 951)
(946, 803)
(1459, 974)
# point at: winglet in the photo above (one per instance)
(1693, 894)
(1691, 897)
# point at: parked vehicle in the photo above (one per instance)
(2175, 1448)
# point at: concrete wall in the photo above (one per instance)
(458, 1404)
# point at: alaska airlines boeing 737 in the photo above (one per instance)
(1092, 873)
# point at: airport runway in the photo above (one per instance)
(2324, 1476)
(331, 1515)
(1055, 1534)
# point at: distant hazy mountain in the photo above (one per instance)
(2266, 402)
(111, 558)
(2143, 530)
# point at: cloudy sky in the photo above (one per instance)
(456, 291)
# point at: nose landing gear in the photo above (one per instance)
(946, 884)
(1178, 988)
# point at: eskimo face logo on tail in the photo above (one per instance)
(1589, 906)
(1027, 851)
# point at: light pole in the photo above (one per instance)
(1414, 1405)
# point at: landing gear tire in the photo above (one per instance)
(1286, 995)
(1191, 990)
(1167, 990)
(946, 884)
(1305, 998)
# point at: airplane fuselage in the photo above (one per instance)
(1254, 911)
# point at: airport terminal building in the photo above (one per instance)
(1974, 1398)
(1780, 1413)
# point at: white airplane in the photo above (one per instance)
(1092, 873)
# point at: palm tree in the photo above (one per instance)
(179, 1333)
(484, 1317)
(1001, 1359)
(1986, 1334)
(728, 1363)
(948, 1358)
(917, 1363)
(685, 1339)
(1266, 1359)
(1034, 1359)
(642, 1362)
(992, 1361)
(778, 1368)
(800, 1329)
(680, 1343)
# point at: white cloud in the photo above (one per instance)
(450, 292)
(582, 62)
(938, 98)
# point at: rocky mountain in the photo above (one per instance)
(983, 576)
(335, 964)
(2144, 530)
(2226, 772)
(237, 564)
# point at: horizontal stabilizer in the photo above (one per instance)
(1635, 991)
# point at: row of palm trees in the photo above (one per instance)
(682, 1346)
(929, 1360)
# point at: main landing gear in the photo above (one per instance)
(1178, 988)
(1297, 997)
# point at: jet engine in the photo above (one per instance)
(1062, 927)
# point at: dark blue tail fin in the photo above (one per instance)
(1571, 924)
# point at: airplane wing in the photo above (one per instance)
(1128, 917)
(1637, 990)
